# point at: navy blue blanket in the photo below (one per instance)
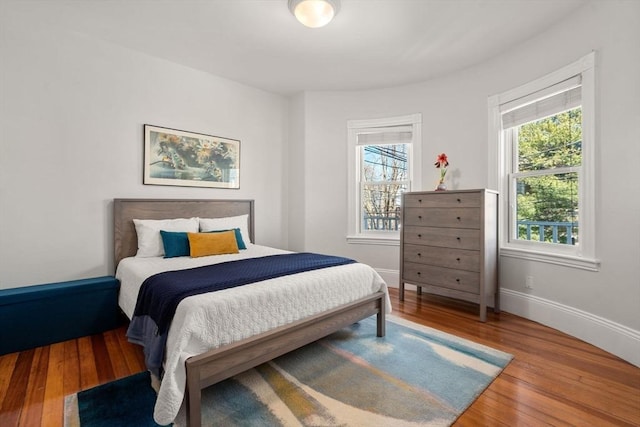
(161, 293)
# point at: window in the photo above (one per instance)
(542, 137)
(545, 169)
(381, 154)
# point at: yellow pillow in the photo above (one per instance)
(205, 244)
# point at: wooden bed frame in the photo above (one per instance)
(224, 362)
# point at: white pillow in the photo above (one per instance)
(148, 231)
(227, 223)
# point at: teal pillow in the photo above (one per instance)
(239, 239)
(176, 243)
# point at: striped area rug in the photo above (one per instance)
(415, 376)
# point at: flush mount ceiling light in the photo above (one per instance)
(314, 13)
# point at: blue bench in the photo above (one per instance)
(34, 316)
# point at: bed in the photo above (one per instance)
(192, 367)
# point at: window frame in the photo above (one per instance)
(501, 158)
(355, 127)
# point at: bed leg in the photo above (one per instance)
(192, 399)
(380, 326)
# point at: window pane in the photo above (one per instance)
(381, 206)
(552, 142)
(384, 162)
(547, 208)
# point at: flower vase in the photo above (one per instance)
(441, 186)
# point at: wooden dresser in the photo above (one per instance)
(449, 245)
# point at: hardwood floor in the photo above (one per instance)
(554, 379)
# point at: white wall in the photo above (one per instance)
(72, 111)
(600, 307)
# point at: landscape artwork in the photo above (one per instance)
(176, 157)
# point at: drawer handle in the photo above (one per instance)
(458, 259)
(458, 280)
(458, 218)
(419, 216)
(458, 239)
(459, 201)
(419, 254)
(419, 273)
(419, 200)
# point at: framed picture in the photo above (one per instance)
(176, 157)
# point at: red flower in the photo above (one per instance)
(442, 161)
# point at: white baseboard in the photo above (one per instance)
(391, 277)
(617, 339)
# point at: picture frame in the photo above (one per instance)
(182, 158)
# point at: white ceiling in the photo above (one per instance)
(370, 43)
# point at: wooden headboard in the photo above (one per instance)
(125, 210)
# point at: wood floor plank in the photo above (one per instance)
(71, 379)
(7, 365)
(101, 357)
(546, 405)
(554, 379)
(32, 411)
(116, 356)
(52, 409)
(487, 411)
(509, 410)
(14, 401)
(88, 371)
(131, 352)
(575, 384)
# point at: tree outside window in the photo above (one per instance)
(548, 151)
(384, 178)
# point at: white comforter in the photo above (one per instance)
(211, 320)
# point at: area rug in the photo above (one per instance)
(414, 376)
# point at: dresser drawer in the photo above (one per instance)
(459, 238)
(442, 200)
(466, 281)
(442, 217)
(443, 257)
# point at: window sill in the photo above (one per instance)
(374, 240)
(552, 258)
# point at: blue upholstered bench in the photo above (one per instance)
(33, 316)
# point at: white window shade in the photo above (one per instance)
(400, 135)
(546, 102)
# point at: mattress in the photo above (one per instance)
(207, 321)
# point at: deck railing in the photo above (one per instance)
(381, 222)
(556, 228)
